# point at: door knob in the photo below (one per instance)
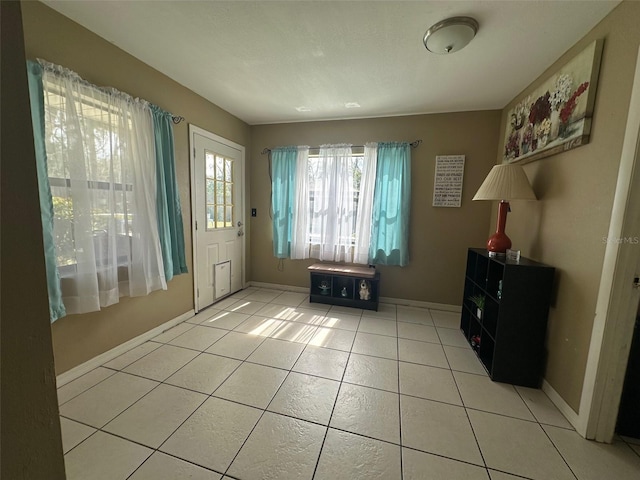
(240, 223)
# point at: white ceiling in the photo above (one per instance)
(263, 61)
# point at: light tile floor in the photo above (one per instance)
(265, 385)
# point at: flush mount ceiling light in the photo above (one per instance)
(450, 35)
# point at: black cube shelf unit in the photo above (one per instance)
(340, 285)
(508, 336)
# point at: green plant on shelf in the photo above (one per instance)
(478, 301)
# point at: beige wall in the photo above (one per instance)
(31, 443)
(53, 37)
(439, 236)
(565, 228)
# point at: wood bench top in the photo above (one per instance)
(350, 271)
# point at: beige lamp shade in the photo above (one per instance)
(506, 182)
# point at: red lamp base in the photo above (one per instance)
(498, 243)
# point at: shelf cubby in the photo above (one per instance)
(344, 286)
(509, 337)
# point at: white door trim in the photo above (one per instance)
(194, 130)
(617, 302)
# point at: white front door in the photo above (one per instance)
(218, 216)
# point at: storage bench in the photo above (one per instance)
(345, 285)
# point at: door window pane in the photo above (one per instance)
(211, 191)
(211, 218)
(228, 170)
(219, 191)
(219, 217)
(228, 217)
(228, 195)
(210, 165)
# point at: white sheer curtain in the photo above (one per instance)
(300, 227)
(101, 166)
(331, 212)
(331, 220)
(145, 264)
(365, 204)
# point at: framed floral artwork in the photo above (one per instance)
(557, 116)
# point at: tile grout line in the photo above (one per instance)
(155, 449)
(508, 473)
(264, 411)
(399, 398)
(474, 409)
(341, 383)
(630, 445)
(212, 394)
(89, 388)
(527, 405)
(535, 421)
(117, 415)
(276, 413)
(632, 441)
(104, 365)
(439, 455)
(306, 420)
(207, 397)
(177, 458)
(466, 412)
(335, 402)
(558, 450)
(96, 430)
(100, 429)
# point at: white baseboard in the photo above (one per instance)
(395, 301)
(417, 303)
(568, 412)
(109, 355)
(276, 286)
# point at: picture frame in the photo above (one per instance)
(557, 115)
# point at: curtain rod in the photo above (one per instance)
(413, 144)
(60, 71)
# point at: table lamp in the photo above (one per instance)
(504, 182)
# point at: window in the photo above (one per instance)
(110, 193)
(321, 194)
(110, 209)
(332, 192)
(101, 172)
(219, 185)
(342, 206)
